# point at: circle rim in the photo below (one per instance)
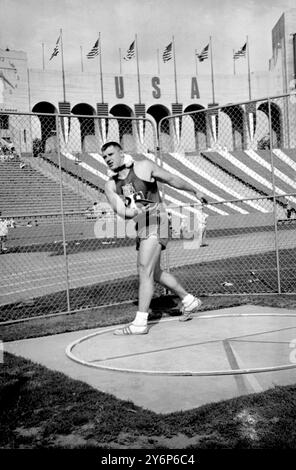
(225, 372)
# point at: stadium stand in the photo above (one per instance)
(287, 155)
(216, 189)
(77, 168)
(221, 175)
(286, 159)
(247, 166)
(26, 191)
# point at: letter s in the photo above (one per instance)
(155, 82)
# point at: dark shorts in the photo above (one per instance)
(153, 223)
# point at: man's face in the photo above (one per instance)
(113, 156)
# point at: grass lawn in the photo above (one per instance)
(45, 409)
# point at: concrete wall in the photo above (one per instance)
(35, 85)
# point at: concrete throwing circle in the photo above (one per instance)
(208, 345)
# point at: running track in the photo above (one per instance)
(28, 275)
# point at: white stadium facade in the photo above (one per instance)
(41, 91)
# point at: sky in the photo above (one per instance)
(26, 24)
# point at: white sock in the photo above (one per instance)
(187, 300)
(141, 319)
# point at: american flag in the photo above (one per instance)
(56, 49)
(204, 53)
(94, 51)
(241, 52)
(167, 53)
(130, 52)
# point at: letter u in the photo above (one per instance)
(119, 89)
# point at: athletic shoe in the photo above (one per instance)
(191, 308)
(126, 331)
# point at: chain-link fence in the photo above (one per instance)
(63, 249)
(242, 157)
(55, 253)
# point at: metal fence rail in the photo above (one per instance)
(63, 253)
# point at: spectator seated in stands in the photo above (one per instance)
(290, 211)
(7, 150)
(3, 234)
(3, 154)
(14, 155)
(4, 225)
(93, 211)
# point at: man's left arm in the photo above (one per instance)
(175, 181)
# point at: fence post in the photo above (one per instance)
(274, 200)
(58, 137)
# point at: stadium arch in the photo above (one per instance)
(237, 119)
(276, 122)
(200, 125)
(124, 129)
(159, 112)
(47, 125)
(87, 126)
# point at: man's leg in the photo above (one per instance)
(168, 280)
(190, 303)
(148, 257)
(3, 244)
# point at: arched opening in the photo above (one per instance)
(87, 125)
(236, 115)
(276, 124)
(121, 110)
(47, 123)
(159, 112)
(4, 121)
(200, 125)
(125, 125)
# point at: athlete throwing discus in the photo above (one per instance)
(133, 193)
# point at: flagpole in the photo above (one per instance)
(212, 72)
(157, 56)
(43, 63)
(195, 55)
(249, 74)
(100, 61)
(120, 68)
(81, 59)
(175, 70)
(138, 71)
(63, 70)
(233, 61)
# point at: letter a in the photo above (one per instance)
(194, 88)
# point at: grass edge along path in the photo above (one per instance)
(46, 409)
(161, 307)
